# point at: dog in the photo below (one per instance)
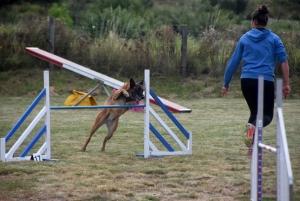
(128, 94)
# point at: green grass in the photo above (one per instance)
(218, 169)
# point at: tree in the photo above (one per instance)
(61, 12)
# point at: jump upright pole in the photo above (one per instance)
(284, 168)
(43, 113)
(256, 163)
(146, 114)
(283, 165)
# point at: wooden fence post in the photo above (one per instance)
(183, 50)
(51, 38)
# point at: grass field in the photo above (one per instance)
(218, 169)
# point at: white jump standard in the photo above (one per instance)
(284, 170)
(148, 145)
(44, 152)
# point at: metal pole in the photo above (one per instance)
(260, 132)
(183, 50)
(47, 115)
(107, 92)
(146, 114)
(96, 87)
(94, 107)
(284, 170)
(2, 149)
(51, 38)
(256, 162)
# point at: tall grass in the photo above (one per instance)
(159, 49)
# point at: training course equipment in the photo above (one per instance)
(150, 150)
(44, 152)
(79, 98)
(101, 78)
(284, 169)
(148, 144)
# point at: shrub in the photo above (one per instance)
(291, 41)
(114, 54)
(209, 53)
(61, 12)
(32, 33)
(122, 22)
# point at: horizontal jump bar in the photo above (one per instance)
(93, 107)
(268, 148)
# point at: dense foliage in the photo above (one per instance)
(127, 36)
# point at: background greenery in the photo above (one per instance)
(122, 38)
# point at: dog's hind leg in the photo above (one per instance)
(112, 126)
(100, 120)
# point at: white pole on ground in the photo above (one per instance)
(146, 114)
(47, 115)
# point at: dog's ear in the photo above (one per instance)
(132, 83)
(141, 82)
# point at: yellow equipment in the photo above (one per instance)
(76, 96)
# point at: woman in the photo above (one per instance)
(258, 49)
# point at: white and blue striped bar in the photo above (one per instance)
(267, 147)
(93, 107)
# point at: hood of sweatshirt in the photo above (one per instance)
(257, 35)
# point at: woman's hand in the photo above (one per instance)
(224, 91)
(286, 90)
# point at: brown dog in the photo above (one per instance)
(128, 94)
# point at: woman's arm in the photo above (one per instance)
(286, 82)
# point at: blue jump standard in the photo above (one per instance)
(34, 141)
(157, 134)
(25, 115)
(171, 116)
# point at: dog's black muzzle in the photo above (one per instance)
(138, 97)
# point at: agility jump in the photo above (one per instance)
(284, 169)
(44, 153)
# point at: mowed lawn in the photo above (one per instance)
(218, 169)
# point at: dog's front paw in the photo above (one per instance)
(126, 94)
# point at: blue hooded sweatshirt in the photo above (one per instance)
(258, 48)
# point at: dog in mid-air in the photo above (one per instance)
(128, 94)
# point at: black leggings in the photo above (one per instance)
(250, 92)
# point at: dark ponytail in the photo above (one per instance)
(261, 15)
